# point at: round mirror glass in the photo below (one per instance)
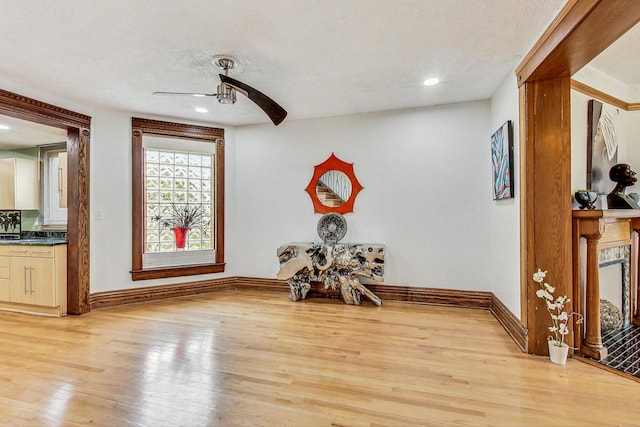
(333, 188)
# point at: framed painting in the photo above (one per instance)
(602, 146)
(10, 223)
(502, 162)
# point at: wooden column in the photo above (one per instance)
(593, 340)
(78, 216)
(546, 201)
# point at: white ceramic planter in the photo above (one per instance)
(558, 354)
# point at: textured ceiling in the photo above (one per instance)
(621, 61)
(23, 134)
(316, 58)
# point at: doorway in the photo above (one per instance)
(78, 130)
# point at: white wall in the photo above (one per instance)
(426, 196)
(110, 239)
(111, 194)
(633, 150)
(505, 214)
(427, 193)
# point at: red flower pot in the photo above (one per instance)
(181, 236)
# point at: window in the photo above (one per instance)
(177, 168)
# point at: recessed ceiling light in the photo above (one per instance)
(431, 82)
(4, 127)
(202, 110)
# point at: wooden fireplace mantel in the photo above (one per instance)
(601, 229)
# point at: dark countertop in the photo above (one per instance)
(34, 241)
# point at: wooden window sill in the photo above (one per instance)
(176, 271)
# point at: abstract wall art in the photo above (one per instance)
(602, 145)
(502, 162)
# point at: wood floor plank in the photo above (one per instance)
(252, 358)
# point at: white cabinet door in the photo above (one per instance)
(7, 189)
(19, 184)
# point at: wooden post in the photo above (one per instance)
(593, 340)
(78, 220)
(546, 199)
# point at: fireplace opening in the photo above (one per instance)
(615, 287)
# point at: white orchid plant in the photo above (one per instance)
(555, 307)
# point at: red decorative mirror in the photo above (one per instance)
(333, 187)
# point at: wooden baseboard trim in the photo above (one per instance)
(130, 296)
(32, 309)
(433, 296)
(260, 284)
(510, 323)
(429, 296)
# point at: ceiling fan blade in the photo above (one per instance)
(185, 93)
(275, 112)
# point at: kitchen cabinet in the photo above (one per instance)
(5, 289)
(31, 281)
(19, 184)
(36, 279)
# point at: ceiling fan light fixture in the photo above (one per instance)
(226, 91)
(226, 94)
(224, 62)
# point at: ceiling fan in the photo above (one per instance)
(226, 91)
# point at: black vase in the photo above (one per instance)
(586, 199)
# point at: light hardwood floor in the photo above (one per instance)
(249, 358)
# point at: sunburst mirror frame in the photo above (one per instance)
(333, 163)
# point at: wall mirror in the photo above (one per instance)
(333, 186)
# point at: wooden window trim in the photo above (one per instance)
(139, 128)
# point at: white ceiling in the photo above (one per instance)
(621, 61)
(23, 134)
(315, 58)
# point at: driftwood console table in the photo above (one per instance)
(338, 265)
(600, 229)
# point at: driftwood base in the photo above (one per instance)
(350, 293)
